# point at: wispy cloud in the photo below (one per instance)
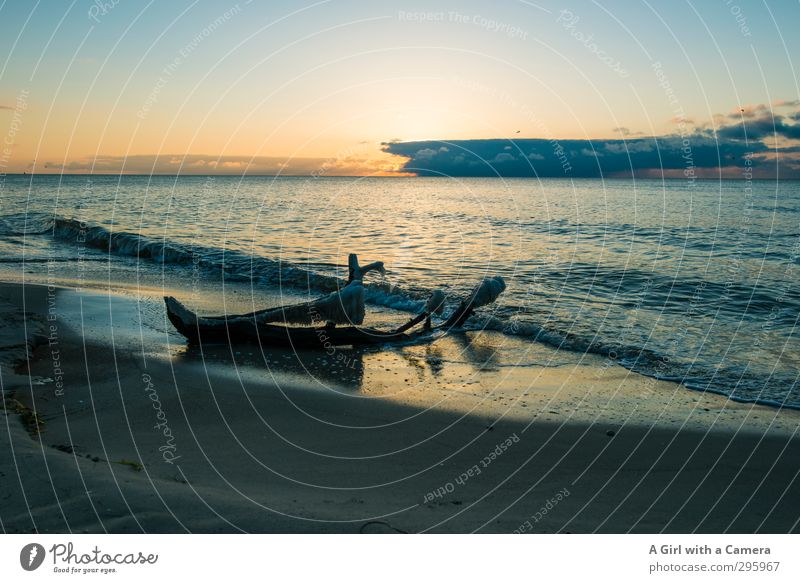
(234, 165)
(623, 131)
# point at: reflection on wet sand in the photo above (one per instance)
(346, 368)
(341, 368)
(479, 350)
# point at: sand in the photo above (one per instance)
(114, 425)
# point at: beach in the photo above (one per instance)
(353, 268)
(113, 424)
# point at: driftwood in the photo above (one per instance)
(343, 307)
(269, 327)
(355, 272)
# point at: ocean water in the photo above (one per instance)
(696, 282)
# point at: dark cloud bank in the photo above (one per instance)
(744, 147)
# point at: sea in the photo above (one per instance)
(692, 281)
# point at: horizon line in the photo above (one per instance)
(629, 178)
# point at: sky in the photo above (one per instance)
(336, 87)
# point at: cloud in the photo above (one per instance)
(765, 126)
(720, 148)
(173, 164)
(679, 119)
(698, 154)
(760, 122)
(199, 164)
(623, 131)
(749, 111)
(426, 153)
(205, 164)
(503, 157)
(630, 146)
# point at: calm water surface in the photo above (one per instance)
(696, 283)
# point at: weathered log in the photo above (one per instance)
(345, 306)
(356, 272)
(199, 330)
(484, 293)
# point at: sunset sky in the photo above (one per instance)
(350, 88)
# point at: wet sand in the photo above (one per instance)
(138, 433)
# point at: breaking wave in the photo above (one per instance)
(666, 293)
